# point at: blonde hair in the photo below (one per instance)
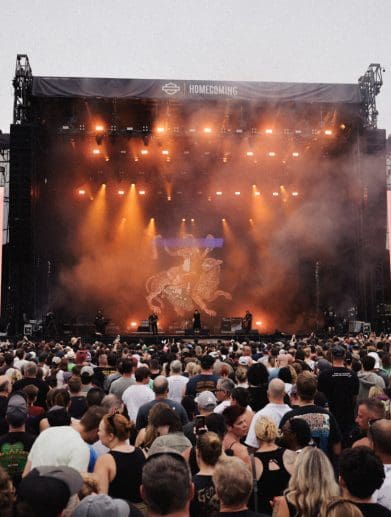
(192, 368)
(241, 373)
(340, 507)
(312, 484)
(266, 430)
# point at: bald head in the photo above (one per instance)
(160, 385)
(276, 391)
(380, 436)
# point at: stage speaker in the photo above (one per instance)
(225, 325)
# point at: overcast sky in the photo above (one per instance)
(253, 40)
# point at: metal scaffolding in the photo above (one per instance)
(22, 84)
(370, 84)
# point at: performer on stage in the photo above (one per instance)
(196, 321)
(247, 321)
(100, 322)
(152, 320)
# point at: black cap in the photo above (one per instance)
(338, 351)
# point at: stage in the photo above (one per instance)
(136, 195)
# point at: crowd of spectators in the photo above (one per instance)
(296, 427)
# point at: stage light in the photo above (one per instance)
(192, 220)
(257, 193)
(121, 192)
(141, 192)
(223, 219)
(65, 128)
(168, 198)
(275, 194)
(250, 153)
(207, 129)
(160, 129)
(342, 126)
(144, 152)
(136, 158)
(295, 194)
(258, 323)
(298, 131)
(183, 220)
(328, 132)
(96, 151)
(133, 324)
(165, 152)
(269, 131)
(123, 151)
(239, 130)
(99, 128)
(81, 192)
(219, 193)
(295, 154)
(192, 130)
(237, 193)
(272, 154)
(107, 159)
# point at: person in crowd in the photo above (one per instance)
(16, 444)
(240, 397)
(241, 376)
(5, 390)
(86, 375)
(275, 410)
(7, 495)
(95, 396)
(273, 464)
(204, 381)
(341, 507)
(160, 388)
(119, 471)
(236, 431)
(138, 394)
(361, 474)
(224, 389)
(340, 386)
(311, 487)
(233, 485)
(206, 403)
(192, 369)
(296, 434)
(127, 379)
(78, 403)
(208, 451)
(379, 435)
(368, 411)
(167, 495)
(57, 399)
(169, 430)
(47, 491)
(30, 377)
(324, 428)
(258, 379)
(368, 377)
(31, 393)
(176, 382)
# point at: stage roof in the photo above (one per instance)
(268, 92)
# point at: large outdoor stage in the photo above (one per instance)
(136, 195)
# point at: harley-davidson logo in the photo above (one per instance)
(171, 88)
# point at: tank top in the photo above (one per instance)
(272, 482)
(129, 466)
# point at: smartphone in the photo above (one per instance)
(199, 425)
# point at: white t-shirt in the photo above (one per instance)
(273, 411)
(383, 495)
(176, 387)
(60, 445)
(135, 396)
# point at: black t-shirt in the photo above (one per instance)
(205, 502)
(14, 449)
(324, 428)
(373, 510)
(340, 385)
(78, 406)
(201, 382)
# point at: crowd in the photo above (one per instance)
(297, 427)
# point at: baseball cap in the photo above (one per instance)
(205, 399)
(101, 505)
(244, 360)
(87, 370)
(47, 489)
(338, 351)
(375, 355)
(16, 410)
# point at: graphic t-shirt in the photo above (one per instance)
(205, 502)
(201, 382)
(14, 449)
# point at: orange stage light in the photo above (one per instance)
(269, 131)
(219, 193)
(160, 129)
(168, 198)
(165, 152)
(81, 192)
(99, 128)
(141, 192)
(258, 323)
(272, 154)
(250, 153)
(133, 324)
(96, 151)
(144, 151)
(207, 129)
(192, 220)
(295, 194)
(223, 219)
(237, 193)
(275, 194)
(121, 192)
(295, 154)
(328, 132)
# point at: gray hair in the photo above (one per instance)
(176, 366)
